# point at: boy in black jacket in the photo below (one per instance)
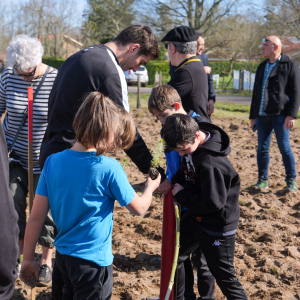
(210, 193)
(165, 101)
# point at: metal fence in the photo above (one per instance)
(243, 80)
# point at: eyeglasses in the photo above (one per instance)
(166, 45)
(31, 74)
(265, 41)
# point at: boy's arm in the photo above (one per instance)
(178, 177)
(30, 269)
(213, 195)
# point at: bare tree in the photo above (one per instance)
(198, 14)
(283, 17)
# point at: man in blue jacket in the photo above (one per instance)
(274, 106)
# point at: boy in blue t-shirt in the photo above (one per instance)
(163, 102)
(80, 185)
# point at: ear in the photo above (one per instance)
(134, 48)
(172, 48)
(177, 106)
(198, 134)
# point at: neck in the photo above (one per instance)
(274, 57)
(119, 51)
(203, 137)
(180, 58)
(80, 148)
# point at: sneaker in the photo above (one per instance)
(45, 276)
(19, 263)
(262, 184)
(291, 186)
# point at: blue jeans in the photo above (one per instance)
(265, 127)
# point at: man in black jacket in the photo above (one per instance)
(208, 186)
(98, 68)
(207, 68)
(9, 234)
(274, 106)
(189, 77)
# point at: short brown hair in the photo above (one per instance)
(98, 123)
(162, 97)
(141, 35)
(179, 130)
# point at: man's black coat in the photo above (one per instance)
(282, 93)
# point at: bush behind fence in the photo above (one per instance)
(219, 67)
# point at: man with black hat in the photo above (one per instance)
(190, 81)
(189, 78)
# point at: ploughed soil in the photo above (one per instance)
(267, 254)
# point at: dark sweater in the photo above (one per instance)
(93, 69)
(190, 81)
(9, 227)
(211, 183)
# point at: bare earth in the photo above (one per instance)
(267, 255)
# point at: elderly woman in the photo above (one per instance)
(24, 56)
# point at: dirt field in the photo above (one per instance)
(267, 255)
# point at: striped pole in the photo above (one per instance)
(30, 159)
(168, 245)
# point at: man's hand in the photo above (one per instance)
(211, 106)
(164, 187)
(289, 122)
(252, 123)
(29, 272)
(176, 189)
(207, 69)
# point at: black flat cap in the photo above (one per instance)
(181, 34)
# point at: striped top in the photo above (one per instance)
(14, 100)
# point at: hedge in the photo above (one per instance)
(53, 61)
(217, 67)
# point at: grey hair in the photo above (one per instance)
(24, 52)
(186, 48)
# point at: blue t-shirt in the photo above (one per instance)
(81, 188)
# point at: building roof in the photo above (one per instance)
(291, 46)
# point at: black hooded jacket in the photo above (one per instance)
(211, 183)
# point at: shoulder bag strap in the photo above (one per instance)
(25, 112)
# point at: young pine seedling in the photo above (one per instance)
(157, 158)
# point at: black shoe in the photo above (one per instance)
(45, 276)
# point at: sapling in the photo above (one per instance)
(124, 162)
(157, 160)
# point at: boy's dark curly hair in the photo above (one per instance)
(179, 130)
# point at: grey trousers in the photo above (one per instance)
(18, 184)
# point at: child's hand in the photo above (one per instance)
(164, 187)
(29, 272)
(176, 189)
(153, 184)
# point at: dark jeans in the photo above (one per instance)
(205, 282)
(219, 254)
(84, 279)
(265, 127)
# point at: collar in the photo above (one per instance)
(192, 58)
(277, 60)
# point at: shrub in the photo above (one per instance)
(53, 61)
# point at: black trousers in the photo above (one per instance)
(205, 282)
(219, 254)
(84, 279)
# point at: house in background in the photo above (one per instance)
(291, 47)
